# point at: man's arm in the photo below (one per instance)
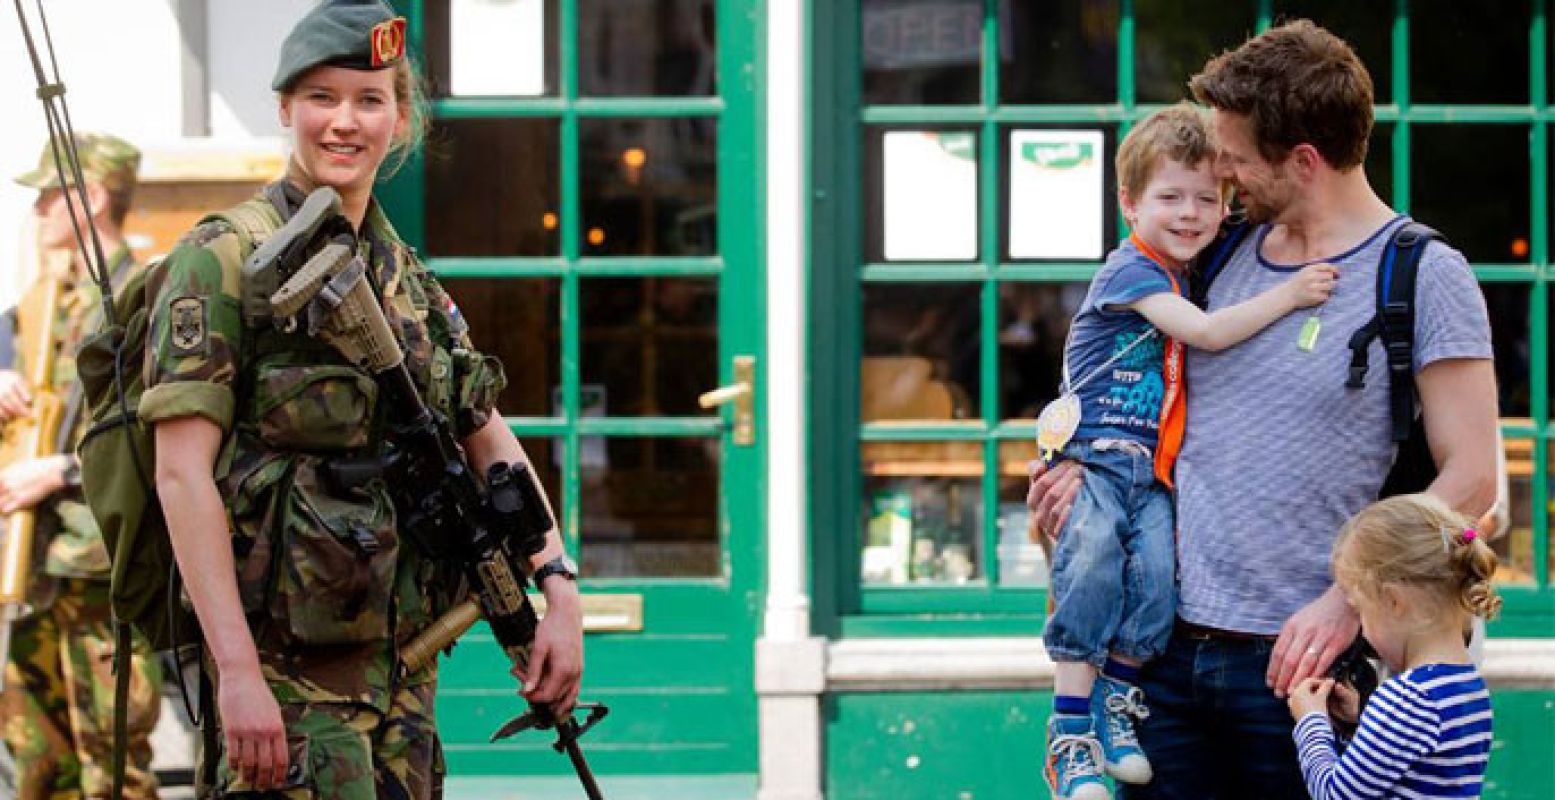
(1458, 401)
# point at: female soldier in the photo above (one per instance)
(306, 597)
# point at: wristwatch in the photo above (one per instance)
(560, 565)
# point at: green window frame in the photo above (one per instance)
(840, 117)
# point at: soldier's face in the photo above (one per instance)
(55, 231)
(343, 122)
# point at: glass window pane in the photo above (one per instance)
(1379, 161)
(1467, 52)
(1059, 188)
(517, 320)
(920, 195)
(650, 345)
(639, 48)
(922, 51)
(923, 513)
(649, 186)
(503, 48)
(1515, 549)
(1471, 182)
(1022, 562)
(920, 351)
(497, 184)
(1033, 323)
(1063, 51)
(1173, 39)
(1368, 27)
(649, 507)
(1509, 304)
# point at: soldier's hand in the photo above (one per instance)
(25, 483)
(15, 399)
(556, 660)
(251, 724)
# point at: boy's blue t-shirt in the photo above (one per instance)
(1122, 401)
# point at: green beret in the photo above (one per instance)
(356, 34)
(108, 160)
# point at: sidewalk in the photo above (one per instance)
(657, 787)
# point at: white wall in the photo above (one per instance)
(121, 62)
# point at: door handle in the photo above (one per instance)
(742, 393)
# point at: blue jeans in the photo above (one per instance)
(1215, 731)
(1114, 566)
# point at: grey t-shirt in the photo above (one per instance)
(1278, 453)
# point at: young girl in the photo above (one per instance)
(1416, 571)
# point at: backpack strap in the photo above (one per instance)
(1233, 230)
(1395, 322)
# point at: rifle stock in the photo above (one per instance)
(27, 438)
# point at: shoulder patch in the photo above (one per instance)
(189, 333)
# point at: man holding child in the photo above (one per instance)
(1277, 452)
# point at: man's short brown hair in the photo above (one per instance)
(1296, 84)
(1178, 132)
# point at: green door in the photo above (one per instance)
(586, 195)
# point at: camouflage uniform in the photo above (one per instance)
(58, 701)
(329, 587)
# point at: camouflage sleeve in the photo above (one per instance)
(195, 330)
(478, 378)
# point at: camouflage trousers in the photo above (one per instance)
(352, 751)
(58, 701)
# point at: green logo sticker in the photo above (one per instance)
(959, 145)
(1058, 155)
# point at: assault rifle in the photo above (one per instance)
(488, 530)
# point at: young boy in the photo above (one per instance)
(1113, 581)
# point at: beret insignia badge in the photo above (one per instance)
(188, 332)
(388, 39)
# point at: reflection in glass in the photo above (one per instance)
(923, 512)
(1516, 548)
(517, 320)
(649, 507)
(920, 351)
(649, 186)
(1468, 52)
(1033, 322)
(1173, 39)
(1368, 27)
(642, 48)
(922, 51)
(1471, 183)
(497, 184)
(1508, 304)
(1379, 160)
(1022, 562)
(490, 47)
(649, 345)
(1065, 51)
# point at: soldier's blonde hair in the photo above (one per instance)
(409, 91)
(1417, 541)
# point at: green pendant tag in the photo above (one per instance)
(1309, 331)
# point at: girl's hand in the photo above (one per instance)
(1344, 704)
(1308, 696)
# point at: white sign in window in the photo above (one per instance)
(1056, 194)
(496, 48)
(930, 195)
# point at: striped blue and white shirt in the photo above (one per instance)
(1424, 734)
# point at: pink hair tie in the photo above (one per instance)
(1469, 534)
